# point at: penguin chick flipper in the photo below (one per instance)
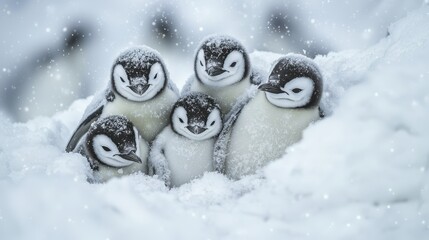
(256, 77)
(221, 145)
(159, 167)
(82, 129)
(321, 113)
(158, 164)
(219, 152)
(222, 142)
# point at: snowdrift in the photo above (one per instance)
(360, 173)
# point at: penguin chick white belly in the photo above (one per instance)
(187, 159)
(150, 117)
(105, 172)
(225, 96)
(262, 133)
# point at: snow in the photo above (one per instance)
(301, 61)
(360, 173)
(197, 104)
(215, 45)
(139, 57)
(116, 124)
(34, 31)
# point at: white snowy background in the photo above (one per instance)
(360, 173)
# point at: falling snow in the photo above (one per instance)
(360, 173)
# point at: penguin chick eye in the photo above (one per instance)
(181, 120)
(122, 79)
(156, 75)
(201, 63)
(106, 149)
(211, 124)
(296, 90)
(233, 64)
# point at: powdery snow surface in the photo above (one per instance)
(360, 173)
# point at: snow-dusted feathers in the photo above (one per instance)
(221, 61)
(114, 147)
(184, 149)
(150, 117)
(218, 72)
(262, 133)
(222, 70)
(264, 123)
(139, 89)
(222, 141)
(294, 82)
(177, 160)
(139, 74)
(196, 116)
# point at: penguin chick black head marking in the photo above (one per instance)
(294, 82)
(196, 116)
(139, 74)
(221, 61)
(113, 141)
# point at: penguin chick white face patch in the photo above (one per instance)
(139, 88)
(196, 129)
(215, 73)
(295, 93)
(108, 153)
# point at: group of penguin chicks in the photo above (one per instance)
(228, 118)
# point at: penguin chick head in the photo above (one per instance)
(113, 141)
(221, 61)
(294, 82)
(196, 116)
(139, 74)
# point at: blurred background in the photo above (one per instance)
(54, 52)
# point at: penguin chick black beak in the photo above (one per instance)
(214, 71)
(196, 129)
(130, 156)
(268, 87)
(140, 88)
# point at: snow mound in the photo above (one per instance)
(361, 173)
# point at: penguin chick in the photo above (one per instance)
(114, 148)
(222, 70)
(184, 150)
(139, 89)
(274, 118)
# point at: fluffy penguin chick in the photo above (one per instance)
(114, 148)
(139, 90)
(222, 70)
(276, 117)
(184, 149)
